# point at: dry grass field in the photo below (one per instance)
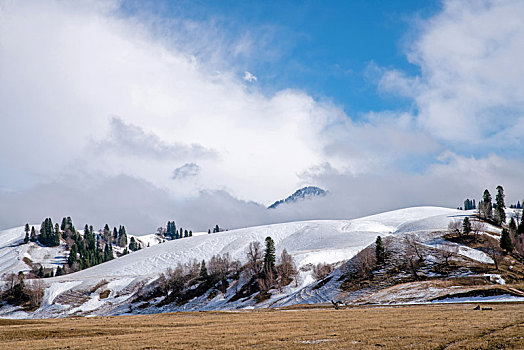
(417, 327)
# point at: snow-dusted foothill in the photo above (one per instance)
(110, 288)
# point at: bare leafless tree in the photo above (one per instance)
(163, 284)
(69, 242)
(413, 255)
(446, 252)
(267, 280)
(11, 279)
(254, 258)
(485, 210)
(176, 279)
(236, 269)
(477, 227)
(518, 243)
(494, 251)
(35, 290)
(321, 271)
(455, 227)
(414, 247)
(286, 269)
(219, 266)
(365, 261)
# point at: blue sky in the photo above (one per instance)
(325, 48)
(137, 111)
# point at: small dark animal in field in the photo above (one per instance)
(477, 307)
(337, 304)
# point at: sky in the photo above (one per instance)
(205, 112)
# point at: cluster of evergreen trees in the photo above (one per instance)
(172, 232)
(49, 236)
(469, 204)
(134, 245)
(67, 224)
(216, 229)
(493, 212)
(87, 251)
(513, 235)
(120, 237)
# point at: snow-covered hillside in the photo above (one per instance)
(15, 256)
(309, 242)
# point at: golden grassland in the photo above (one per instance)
(450, 326)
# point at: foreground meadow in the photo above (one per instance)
(420, 327)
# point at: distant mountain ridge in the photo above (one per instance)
(307, 192)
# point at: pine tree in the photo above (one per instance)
(108, 252)
(33, 234)
(520, 228)
(190, 233)
(133, 244)
(49, 236)
(59, 271)
(505, 241)
(466, 226)
(55, 237)
(171, 230)
(73, 255)
(186, 234)
(380, 253)
(26, 238)
(122, 237)
(203, 272)
(512, 226)
(487, 206)
(269, 255)
(500, 214)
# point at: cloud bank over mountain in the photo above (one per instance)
(106, 119)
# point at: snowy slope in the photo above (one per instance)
(329, 241)
(13, 252)
(308, 242)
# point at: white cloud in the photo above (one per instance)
(249, 77)
(470, 90)
(67, 71)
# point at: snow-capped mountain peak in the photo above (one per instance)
(308, 192)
